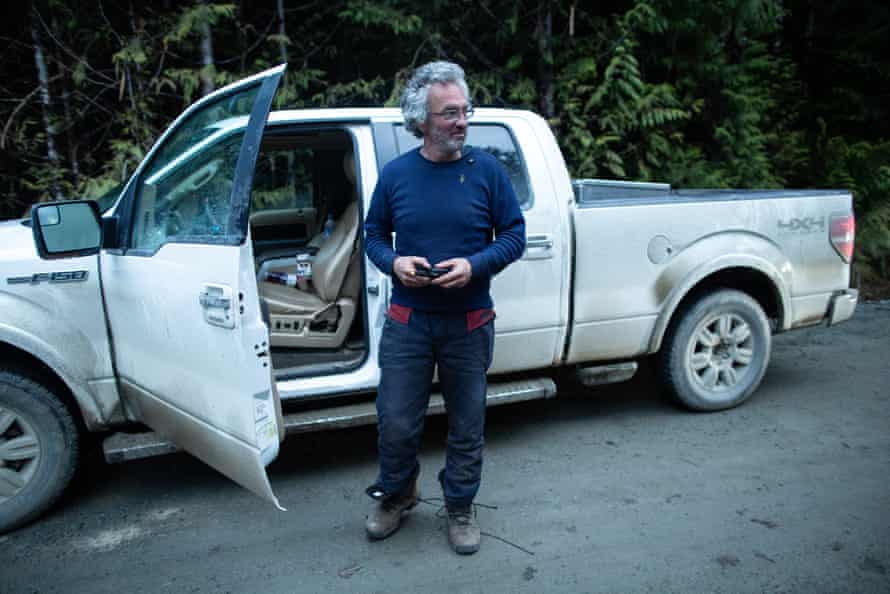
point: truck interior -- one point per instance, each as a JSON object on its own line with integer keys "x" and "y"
{"x": 304, "y": 224}
{"x": 305, "y": 214}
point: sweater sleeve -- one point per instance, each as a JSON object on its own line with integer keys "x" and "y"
{"x": 509, "y": 228}
{"x": 378, "y": 227}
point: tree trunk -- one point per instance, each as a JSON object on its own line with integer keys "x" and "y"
{"x": 282, "y": 45}
{"x": 572, "y": 20}
{"x": 282, "y": 52}
{"x": 543, "y": 35}
{"x": 241, "y": 18}
{"x": 207, "y": 61}
{"x": 43, "y": 82}
{"x": 68, "y": 127}
{"x": 72, "y": 144}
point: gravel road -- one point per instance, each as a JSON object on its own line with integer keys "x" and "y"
{"x": 609, "y": 490}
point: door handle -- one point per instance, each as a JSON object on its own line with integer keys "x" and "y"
{"x": 216, "y": 301}
{"x": 539, "y": 241}
{"x": 207, "y": 300}
{"x": 538, "y": 247}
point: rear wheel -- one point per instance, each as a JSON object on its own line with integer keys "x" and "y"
{"x": 716, "y": 351}
{"x": 39, "y": 446}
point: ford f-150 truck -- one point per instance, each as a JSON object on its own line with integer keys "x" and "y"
{"x": 229, "y": 276}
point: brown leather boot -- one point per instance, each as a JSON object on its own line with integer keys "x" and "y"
{"x": 463, "y": 530}
{"x": 386, "y": 517}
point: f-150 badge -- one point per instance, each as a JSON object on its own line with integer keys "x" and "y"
{"x": 66, "y": 276}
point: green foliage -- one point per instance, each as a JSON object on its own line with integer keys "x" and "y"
{"x": 192, "y": 18}
{"x": 728, "y": 93}
{"x": 381, "y": 14}
{"x": 182, "y": 80}
{"x": 618, "y": 124}
{"x": 864, "y": 168}
{"x": 358, "y": 92}
{"x": 295, "y": 87}
{"x": 132, "y": 53}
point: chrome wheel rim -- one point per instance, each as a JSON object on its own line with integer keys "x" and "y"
{"x": 19, "y": 453}
{"x": 720, "y": 353}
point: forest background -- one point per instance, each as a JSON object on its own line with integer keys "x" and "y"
{"x": 720, "y": 93}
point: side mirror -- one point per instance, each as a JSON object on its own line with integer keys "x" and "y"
{"x": 66, "y": 229}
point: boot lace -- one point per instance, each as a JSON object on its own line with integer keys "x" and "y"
{"x": 462, "y": 517}
{"x": 465, "y": 516}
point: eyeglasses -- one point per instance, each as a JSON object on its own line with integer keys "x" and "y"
{"x": 452, "y": 113}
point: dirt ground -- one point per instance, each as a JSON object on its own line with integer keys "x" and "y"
{"x": 610, "y": 490}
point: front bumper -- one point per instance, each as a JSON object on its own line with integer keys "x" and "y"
{"x": 842, "y": 305}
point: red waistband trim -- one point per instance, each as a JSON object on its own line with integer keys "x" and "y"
{"x": 399, "y": 313}
{"x": 475, "y": 319}
{"x": 478, "y": 318}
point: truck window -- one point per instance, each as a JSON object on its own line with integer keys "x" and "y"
{"x": 184, "y": 194}
{"x": 494, "y": 139}
{"x": 283, "y": 179}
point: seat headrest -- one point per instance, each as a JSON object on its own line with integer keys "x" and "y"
{"x": 349, "y": 166}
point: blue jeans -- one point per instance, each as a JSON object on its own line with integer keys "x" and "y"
{"x": 411, "y": 348}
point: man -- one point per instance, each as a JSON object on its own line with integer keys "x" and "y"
{"x": 454, "y": 213}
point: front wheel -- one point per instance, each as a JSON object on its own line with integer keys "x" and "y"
{"x": 716, "y": 352}
{"x": 39, "y": 444}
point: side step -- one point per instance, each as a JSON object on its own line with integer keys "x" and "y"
{"x": 598, "y": 375}
{"x": 121, "y": 447}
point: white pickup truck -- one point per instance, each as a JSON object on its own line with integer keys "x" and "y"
{"x": 159, "y": 313}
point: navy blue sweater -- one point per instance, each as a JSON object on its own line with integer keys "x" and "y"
{"x": 440, "y": 210}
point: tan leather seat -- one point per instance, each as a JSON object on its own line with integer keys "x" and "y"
{"x": 349, "y": 169}
{"x": 320, "y": 317}
{"x": 328, "y": 271}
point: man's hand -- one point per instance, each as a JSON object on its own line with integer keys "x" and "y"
{"x": 460, "y": 274}
{"x": 405, "y": 268}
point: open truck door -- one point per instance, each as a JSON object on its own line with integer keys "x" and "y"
{"x": 190, "y": 346}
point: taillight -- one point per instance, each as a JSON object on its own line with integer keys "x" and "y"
{"x": 843, "y": 232}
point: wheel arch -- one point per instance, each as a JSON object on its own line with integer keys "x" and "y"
{"x": 79, "y": 402}
{"x": 753, "y": 276}
{"x": 47, "y": 413}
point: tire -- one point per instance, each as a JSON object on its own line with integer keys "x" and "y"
{"x": 39, "y": 449}
{"x": 716, "y": 351}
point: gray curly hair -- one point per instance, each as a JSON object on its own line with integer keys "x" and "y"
{"x": 415, "y": 107}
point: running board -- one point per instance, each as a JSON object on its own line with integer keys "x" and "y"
{"x": 121, "y": 447}
{"x": 597, "y": 375}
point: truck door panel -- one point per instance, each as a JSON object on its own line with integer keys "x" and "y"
{"x": 190, "y": 347}
{"x": 529, "y": 294}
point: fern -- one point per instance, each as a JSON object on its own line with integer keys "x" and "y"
{"x": 381, "y": 14}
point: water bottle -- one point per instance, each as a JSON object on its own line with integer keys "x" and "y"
{"x": 328, "y": 226}
{"x": 282, "y": 278}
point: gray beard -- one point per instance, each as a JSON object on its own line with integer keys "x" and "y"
{"x": 446, "y": 144}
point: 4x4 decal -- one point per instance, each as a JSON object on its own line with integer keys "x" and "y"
{"x": 802, "y": 225}
{"x": 66, "y": 276}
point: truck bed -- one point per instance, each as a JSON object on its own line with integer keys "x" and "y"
{"x": 594, "y": 193}
{"x": 640, "y": 247}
